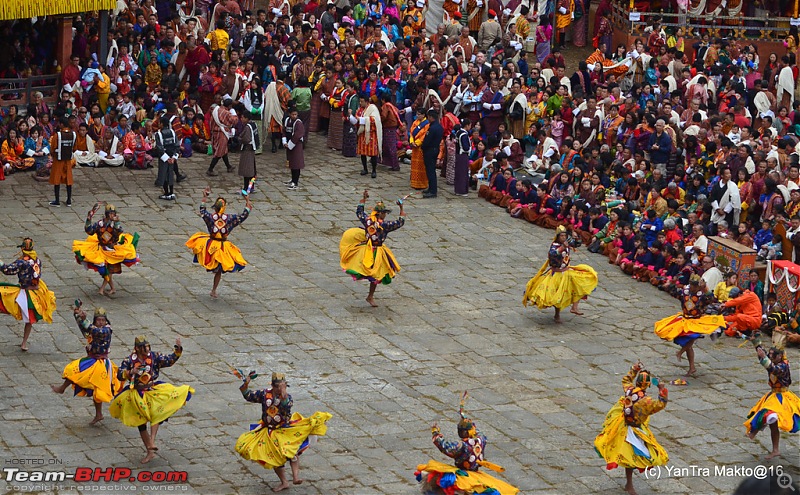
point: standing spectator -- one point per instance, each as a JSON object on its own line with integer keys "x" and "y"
{"x": 167, "y": 149}
{"x": 223, "y": 118}
{"x": 295, "y": 132}
{"x": 430, "y": 152}
{"x": 62, "y": 143}
{"x": 370, "y": 134}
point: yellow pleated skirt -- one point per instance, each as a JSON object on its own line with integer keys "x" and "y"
{"x": 560, "y": 289}
{"x": 362, "y": 261}
{"x": 273, "y": 448}
{"x": 784, "y": 403}
{"x": 467, "y": 481}
{"x": 215, "y": 255}
{"x": 95, "y": 257}
{"x": 152, "y": 406}
{"x": 95, "y": 378}
{"x": 613, "y": 446}
{"x": 28, "y": 305}
{"x": 674, "y": 326}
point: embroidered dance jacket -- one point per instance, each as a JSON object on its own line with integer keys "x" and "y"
{"x": 377, "y": 231}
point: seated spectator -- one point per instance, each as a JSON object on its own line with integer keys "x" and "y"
{"x": 723, "y": 289}
{"x": 747, "y": 315}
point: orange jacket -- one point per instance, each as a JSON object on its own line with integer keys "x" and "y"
{"x": 747, "y": 304}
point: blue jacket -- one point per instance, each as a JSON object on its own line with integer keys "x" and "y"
{"x": 650, "y": 234}
{"x": 661, "y": 155}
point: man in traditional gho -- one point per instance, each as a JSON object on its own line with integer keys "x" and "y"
{"x": 626, "y": 440}
{"x": 281, "y": 435}
{"x": 362, "y": 250}
{"x": 557, "y": 284}
{"x": 779, "y": 408}
{"x": 107, "y": 248}
{"x": 223, "y": 120}
{"x": 29, "y": 301}
{"x": 147, "y": 400}
{"x": 212, "y": 250}
{"x": 95, "y": 375}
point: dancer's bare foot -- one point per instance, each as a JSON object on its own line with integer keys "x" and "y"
{"x": 576, "y": 312}
{"x": 630, "y": 490}
{"x": 557, "y": 318}
{"x": 213, "y": 294}
{"x": 772, "y": 455}
{"x": 112, "y": 292}
{"x": 97, "y": 419}
{"x": 24, "y": 347}
{"x": 371, "y": 302}
{"x": 281, "y": 487}
{"x": 57, "y": 389}
{"x": 692, "y": 372}
{"x": 151, "y": 454}
{"x": 752, "y": 434}
{"x": 102, "y": 291}
{"x": 298, "y": 481}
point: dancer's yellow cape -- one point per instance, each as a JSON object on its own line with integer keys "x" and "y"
{"x": 559, "y": 289}
{"x": 361, "y": 260}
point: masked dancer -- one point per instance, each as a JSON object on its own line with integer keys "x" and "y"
{"x": 626, "y": 440}
{"x": 779, "y": 408}
{"x": 107, "y": 248}
{"x": 281, "y": 435}
{"x": 362, "y": 250}
{"x": 467, "y": 453}
{"x": 146, "y": 400}
{"x": 691, "y": 323}
{"x": 558, "y": 284}
{"x": 95, "y": 375}
{"x": 213, "y": 250}
{"x": 29, "y": 301}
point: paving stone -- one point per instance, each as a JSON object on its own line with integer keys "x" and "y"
{"x": 451, "y": 320}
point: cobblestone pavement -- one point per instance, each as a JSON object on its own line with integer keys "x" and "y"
{"x": 452, "y": 320}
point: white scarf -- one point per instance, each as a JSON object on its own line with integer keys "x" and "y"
{"x": 786, "y": 84}
{"x": 731, "y": 196}
{"x": 272, "y": 105}
{"x": 372, "y": 111}
{"x": 215, "y": 116}
{"x": 763, "y": 104}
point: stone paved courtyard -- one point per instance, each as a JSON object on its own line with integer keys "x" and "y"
{"x": 452, "y": 320}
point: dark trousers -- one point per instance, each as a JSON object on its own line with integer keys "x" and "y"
{"x": 430, "y": 171}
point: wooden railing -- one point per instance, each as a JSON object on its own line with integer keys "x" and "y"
{"x": 20, "y": 91}
{"x": 768, "y": 28}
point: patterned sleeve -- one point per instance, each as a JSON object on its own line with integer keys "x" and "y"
{"x": 627, "y": 380}
{"x": 649, "y": 405}
{"x": 124, "y": 367}
{"x": 554, "y": 255}
{"x": 89, "y": 227}
{"x": 450, "y": 449}
{"x": 394, "y": 224}
{"x": 167, "y": 360}
{"x": 254, "y": 396}
{"x": 13, "y": 268}
{"x": 235, "y": 220}
{"x": 206, "y": 216}
{"x": 360, "y": 214}
{"x": 84, "y": 325}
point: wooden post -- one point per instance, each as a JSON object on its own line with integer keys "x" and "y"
{"x": 103, "y": 55}
{"x": 64, "y": 41}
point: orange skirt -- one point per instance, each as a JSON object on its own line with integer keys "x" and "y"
{"x": 365, "y": 148}
{"x": 419, "y": 179}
